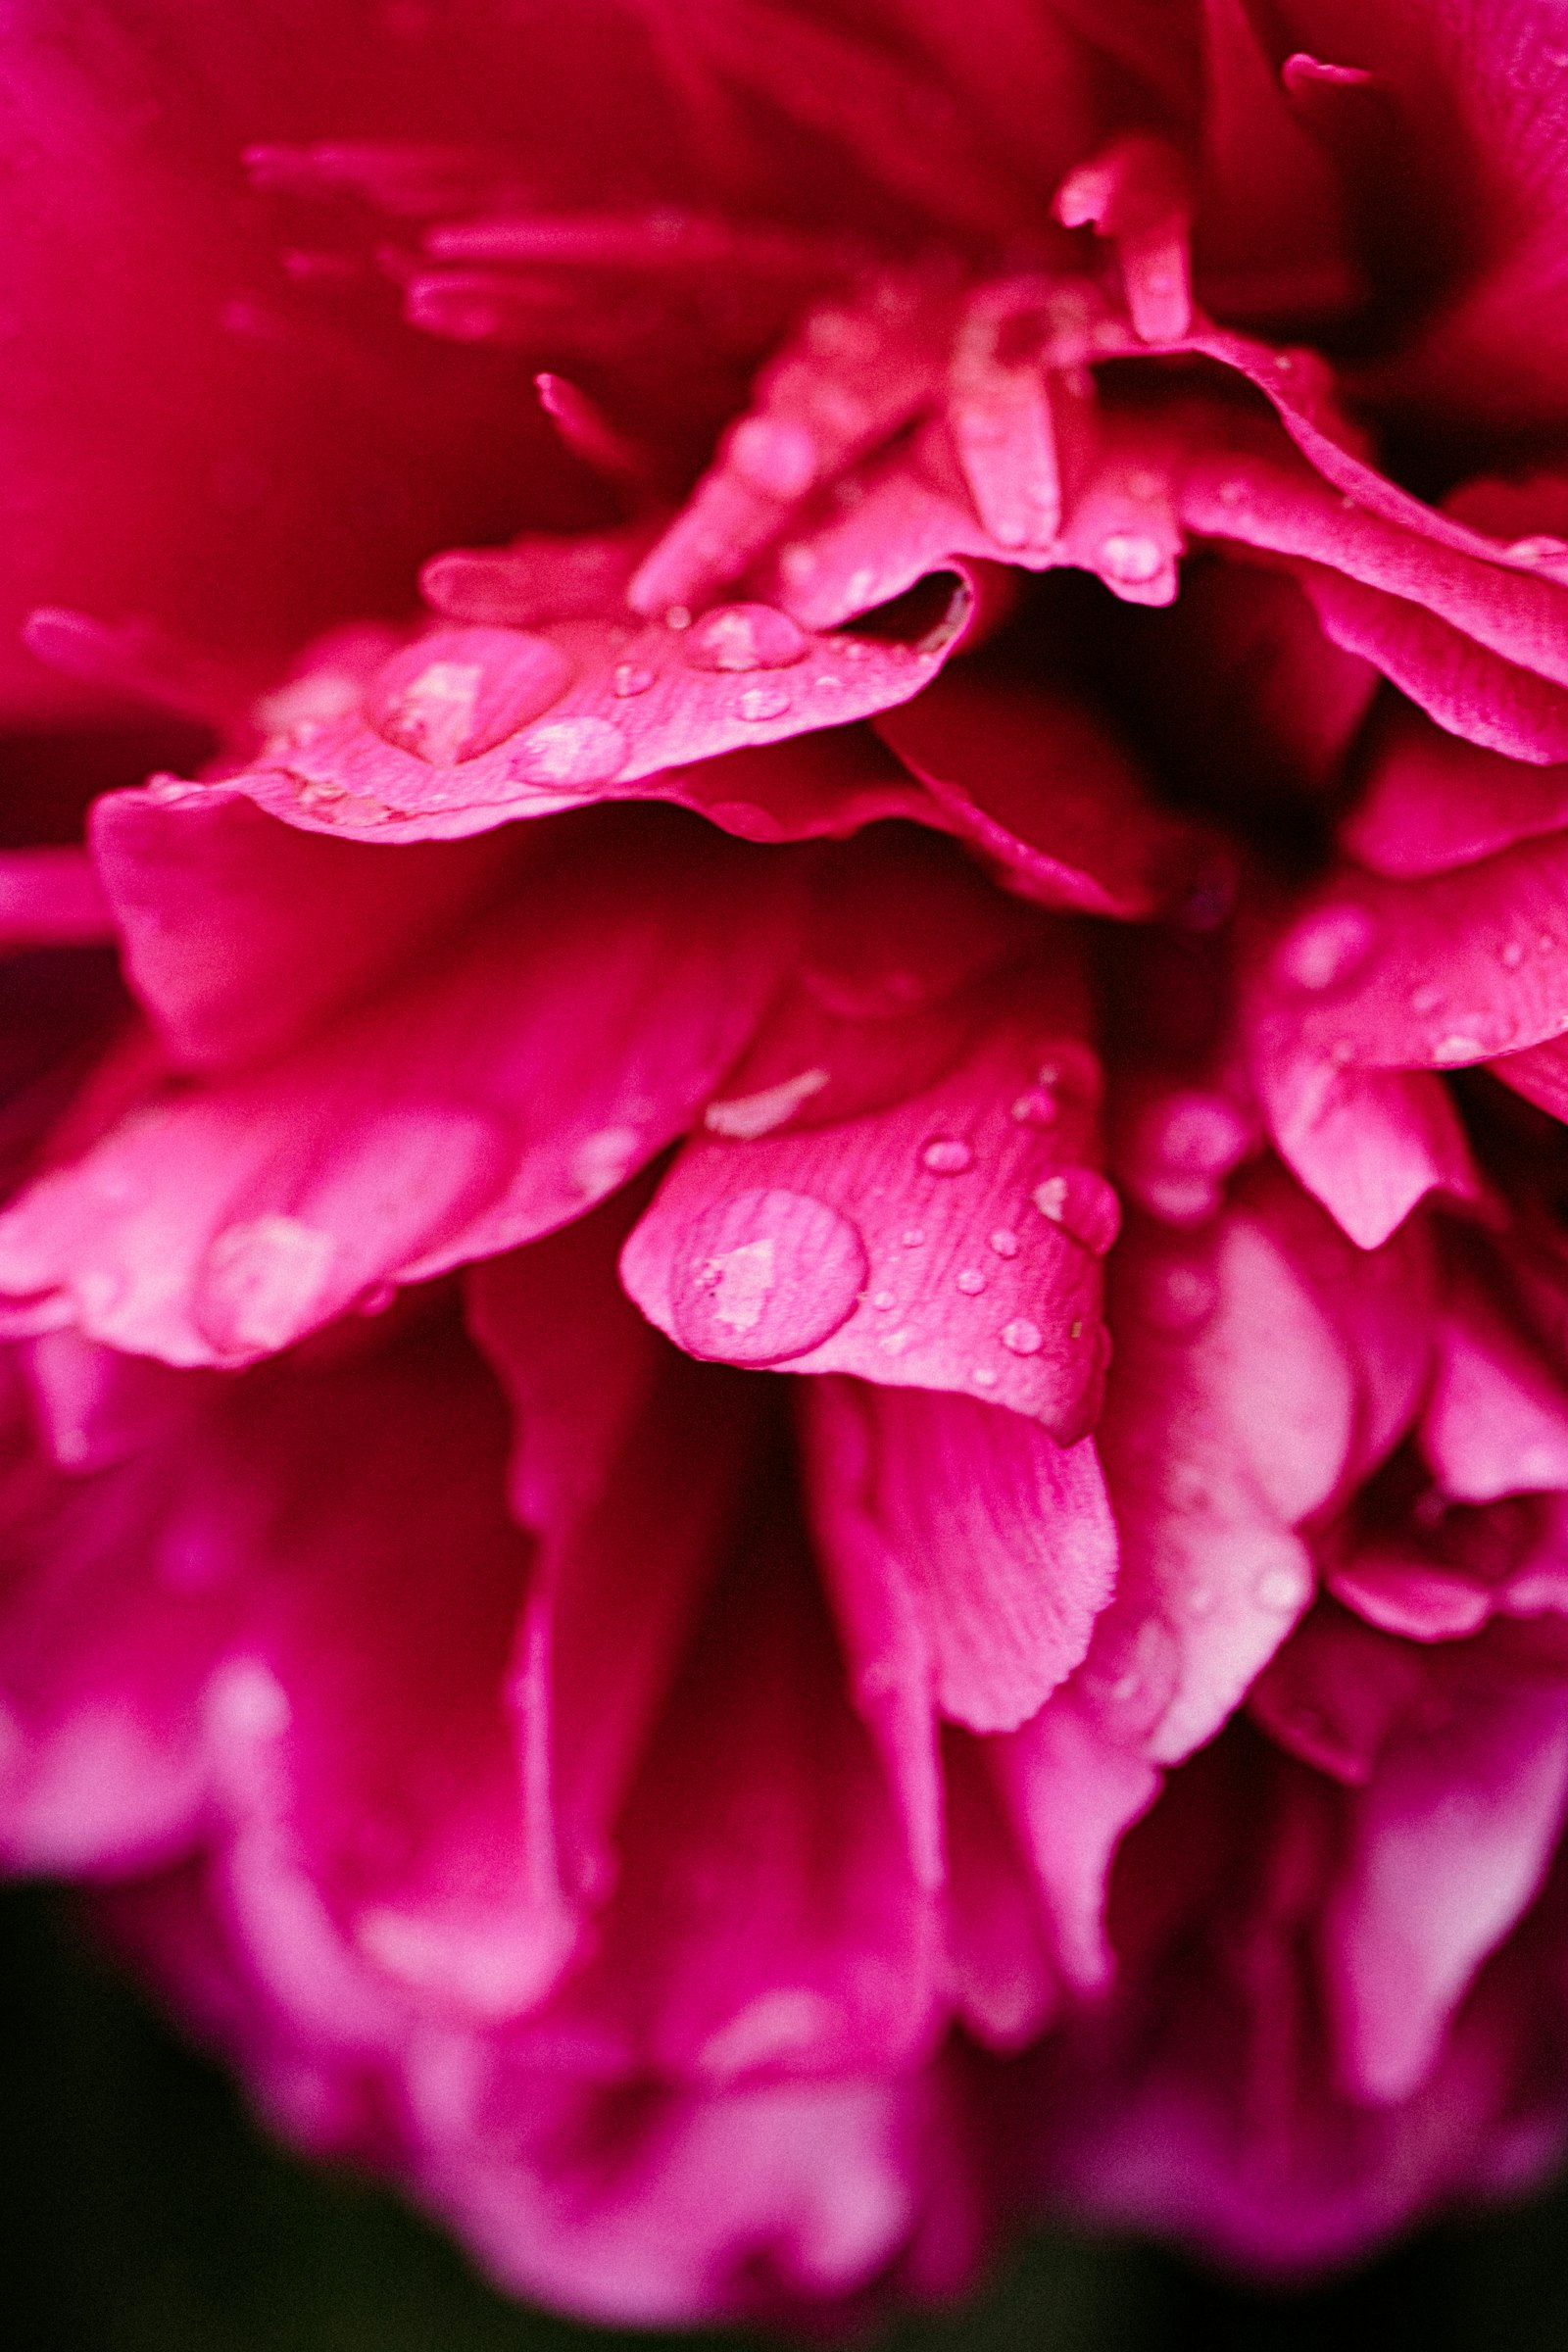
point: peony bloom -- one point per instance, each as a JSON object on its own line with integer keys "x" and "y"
{"x": 784, "y": 1274}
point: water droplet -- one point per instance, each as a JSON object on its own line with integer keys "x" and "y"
{"x": 884, "y": 1301}
{"x": 629, "y": 679}
{"x": 678, "y": 617}
{"x": 984, "y": 1376}
{"x": 911, "y": 1237}
{"x": 798, "y": 563}
{"x": 1005, "y": 1242}
{"x": 765, "y": 1276}
{"x": 971, "y": 1281}
{"x": 259, "y": 1284}
{"x": 1021, "y": 1337}
{"x": 947, "y": 1155}
{"x": 1036, "y": 1108}
{"x": 604, "y": 1160}
{"x": 893, "y": 1343}
{"x": 1084, "y": 1206}
{"x": 747, "y": 1117}
{"x": 1283, "y": 1588}
{"x": 1512, "y": 954}
{"x": 1458, "y": 1048}
{"x": 761, "y": 703}
{"x": 775, "y": 456}
{"x": 1198, "y": 1133}
{"x": 1232, "y": 493}
{"x": 745, "y": 637}
{"x": 456, "y": 693}
{"x": 1326, "y": 947}
{"x": 571, "y": 752}
{"x": 1179, "y": 1299}
{"x": 1131, "y": 557}
{"x": 1426, "y": 999}
{"x": 1201, "y": 1599}
{"x": 1539, "y": 548}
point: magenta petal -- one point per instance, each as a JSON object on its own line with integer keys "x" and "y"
{"x": 1431, "y": 802}
{"x": 1496, "y": 1421}
{"x": 1450, "y": 1842}
{"x": 219, "y": 1223}
{"x": 1368, "y": 1144}
{"x": 1002, "y": 1540}
{"x": 950, "y": 1240}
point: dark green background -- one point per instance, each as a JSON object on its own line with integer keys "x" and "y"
{"x": 140, "y": 2212}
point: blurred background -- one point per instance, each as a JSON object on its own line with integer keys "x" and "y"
{"x": 140, "y": 2211}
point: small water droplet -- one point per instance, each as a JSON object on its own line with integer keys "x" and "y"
{"x": 678, "y": 617}
{"x": 603, "y": 1160}
{"x": 761, "y": 703}
{"x": 1179, "y": 1299}
{"x": 1232, "y": 493}
{"x": 1200, "y": 1601}
{"x": 893, "y": 1343}
{"x": 1198, "y": 1133}
{"x": 798, "y": 563}
{"x": 1426, "y": 999}
{"x": 1458, "y": 1048}
{"x": 1036, "y": 1108}
{"x": 1084, "y": 1206}
{"x": 1512, "y": 954}
{"x": 571, "y": 752}
{"x": 1021, "y": 1337}
{"x": 1005, "y": 1242}
{"x": 765, "y": 1276}
{"x": 947, "y": 1155}
{"x": 884, "y": 1301}
{"x": 984, "y": 1376}
{"x": 630, "y": 678}
{"x": 1539, "y": 548}
{"x": 971, "y": 1281}
{"x": 1326, "y": 947}
{"x": 1283, "y": 1588}
{"x": 1131, "y": 557}
{"x": 911, "y": 1237}
{"x": 745, "y": 637}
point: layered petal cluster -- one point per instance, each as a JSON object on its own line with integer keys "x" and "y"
{"x": 783, "y": 1283}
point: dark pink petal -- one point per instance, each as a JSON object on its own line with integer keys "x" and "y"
{"x": 1431, "y": 802}
{"x": 241, "y": 935}
{"x": 1450, "y": 1838}
{"x": 1337, "y": 1693}
{"x": 949, "y": 1241}
{"x": 1041, "y": 790}
{"x": 1001, "y": 1540}
{"x": 628, "y": 1520}
{"x": 449, "y": 1117}
{"x": 1003, "y": 1983}
{"x": 617, "y": 704}
{"x": 1369, "y": 1143}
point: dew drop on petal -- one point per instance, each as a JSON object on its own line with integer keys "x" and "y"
{"x": 259, "y": 1283}
{"x": 765, "y": 1276}
{"x": 971, "y": 1281}
{"x": 884, "y": 1301}
{"x": 630, "y": 678}
{"x": 775, "y": 456}
{"x": 456, "y": 693}
{"x": 1426, "y": 999}
{"x": 1512, "y": 954}
{"x": 1084, "y": 1206}
{"x": 947, "y": 1155}
{"x": 1005, "y": 1242}
{"x": 571, "y": 752}
{"x": 760, "y": 703}
{"x": 984, "y": 1376}
{"x": 745, "y": 637}
{"x": 911, "y": 1237}
{"x": 604, "y": 1159}
{"x": 1179, "y": 1299}
{"x": 1132, "y": 555}
{"x": 1326, "y": 947}
{"x": 1036, "y": 1108}
{"x": 1021, "y": 1337}
{"x": 1282, "y": 1588}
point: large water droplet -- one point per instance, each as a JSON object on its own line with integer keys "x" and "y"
{"x": 971, "y": 1281}
{"x": 1084, "y": 1206}
{"x": 947, "y": 1155}
{"x": 458, "y": 692}
{"x": 743, "y": 637}
{"x": 765, "y": 1276}
{"x": 1326, "y": 947}
{"x": 1021, "y": 1337}
{"x": 571, "y": 752}
{"x": 259, "y": 1283}
{"x": 1132, "y": 556}
{"x": 1005, "y": 1242}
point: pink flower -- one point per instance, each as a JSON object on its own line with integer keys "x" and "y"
{"x": 994, "y": 654}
